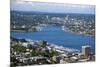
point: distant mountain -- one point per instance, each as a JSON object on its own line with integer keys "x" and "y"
{"x": 47, "y": 13}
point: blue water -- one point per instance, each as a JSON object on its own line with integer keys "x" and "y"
{"x": 54, "y": 34}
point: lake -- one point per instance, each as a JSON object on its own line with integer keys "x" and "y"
{"x": 55, "y": 35}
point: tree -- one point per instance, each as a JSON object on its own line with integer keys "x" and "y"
{"x": 19, "y": 48}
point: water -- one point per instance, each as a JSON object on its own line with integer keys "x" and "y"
{"x": 54, "y": 34}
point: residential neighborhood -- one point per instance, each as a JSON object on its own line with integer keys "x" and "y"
{"x": 28, "y": 52}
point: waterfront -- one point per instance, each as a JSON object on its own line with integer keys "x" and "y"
{"x": 61, "y": 35}
{"x": 55, "y": 35}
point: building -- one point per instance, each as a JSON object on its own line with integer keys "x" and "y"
{"x": 86, "y": 50}
{"x": 74, "y": 59}
{"x": 39, "y": 60}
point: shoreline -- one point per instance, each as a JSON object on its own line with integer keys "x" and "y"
{"x": 79, "y": 33}
{"x": 58, "y": 47}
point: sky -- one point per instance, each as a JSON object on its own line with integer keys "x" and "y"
{"x": 22, "y": 5}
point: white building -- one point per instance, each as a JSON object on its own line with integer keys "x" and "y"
{"x": 86, "y": 51}
{"x": 25, "y": 44}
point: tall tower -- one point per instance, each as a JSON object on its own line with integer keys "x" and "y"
{"x": 86, "y": 50}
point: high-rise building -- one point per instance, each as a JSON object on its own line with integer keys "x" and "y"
{"x": 86, "y": 50}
